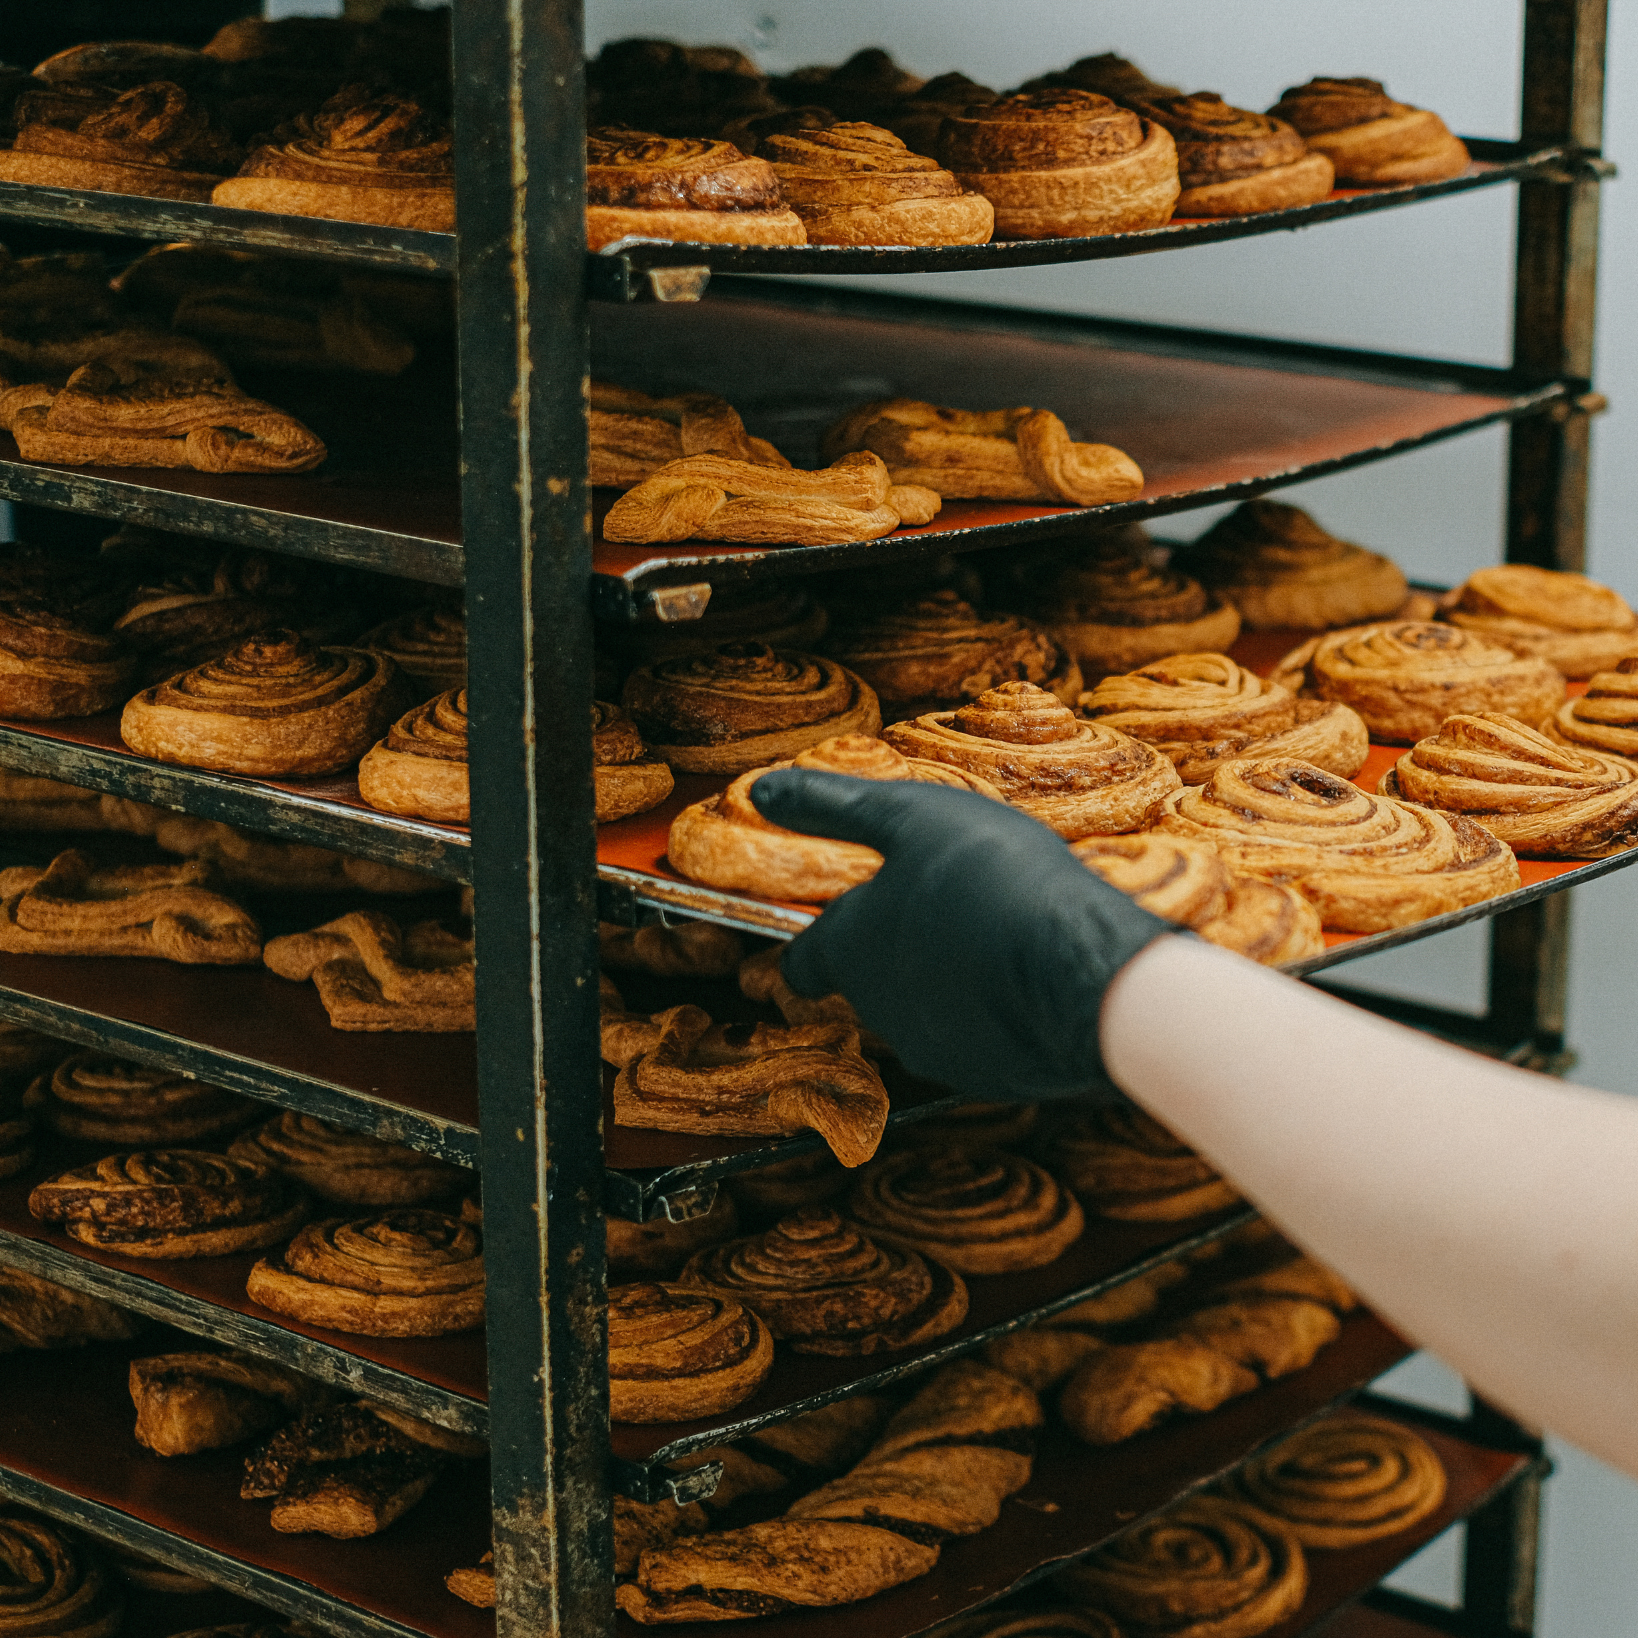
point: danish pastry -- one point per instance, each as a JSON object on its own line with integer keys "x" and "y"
{"x": 1110, "y": 75}
{"x": 348, "y": 1168}
{"x": 428, "y": 645}
{"x": 37, "y": 1314}
{"x": 916, "y": 119}
{"x": 1605, "y": 718}
{"x": 1373, "y": 141}
{"x": 677, "y": 1354}
{"x": 677, "y": 90}
{"x": 628, "y": 777}
{"x": 633, "y": 435}
{"x": 56, "y": 661}
{"x": 93, "y": 1098}
{"x": 420, "y": 768}
{"x": 56, "y": 1582}
{"x": 1576, "y": 625}
{"x": 1122, "y": 1163}
{"x": 189, "y": 1402}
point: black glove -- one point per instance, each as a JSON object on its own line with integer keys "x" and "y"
{"x": 982, "y": 948}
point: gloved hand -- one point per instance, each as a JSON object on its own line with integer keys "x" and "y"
{"x": 982, "y": 948}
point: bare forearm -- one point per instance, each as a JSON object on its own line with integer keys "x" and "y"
{"x": 1490, "y": 1213}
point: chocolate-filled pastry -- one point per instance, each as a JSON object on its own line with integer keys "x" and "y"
{"x": 1272, "y": 1335}
{"x": 1048, "y": 1623}
{"x": 1205, "y": 1567}
{"x": 633, "y": 435}
{"x": 1040, "y": 1357}
{"x": 58, "y": 659}
{"x": 363, "y": 157}
{"x": 262, "y": 865}
{"x": 690, "y": 188}
{"x": 1122, "y": 1163}
{"x": 76, "y": 907}
{"x": 37, "y": 1314}
{"x": 977, "y": 1212}
{"x": 826, "y": 1288}
{"x": 1545, "y": 800}
{"x": 1128, "y": 1388}
{"x": 656, "y": 1250}
{"x": 1576, "y": 625}
{"x": 427, "y": 644}
{"x": 1278, "y": 567}
{"x": 57, "y": 1584}
{"x": 190, "y": 1402}
{"x": 677, "y": 1354}
{"x": 1373, "y": 141}
{"x": 693, "y": 949}
{"x": 1345, "y": 1480}
{"x": 420, "y": 769}
{"x": 349, "y": 1168}
{"x": 788, "y": 1185}
{"x": 1080, "y": 778}
{"x": 858, "y": 184}
{"x": 627, "y": 777}
{"x": 171, "y": 1203}
{"x": 1365, "y": 862}
{"x": 1605, "y": 718}
{"x": 1062, "y": 164}
{"x": 94, "y": 1098}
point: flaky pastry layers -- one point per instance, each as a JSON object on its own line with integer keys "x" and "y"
{"x": 188, "y": 1402}
{"x": 260, "y": 864}
{"x": 428, "y": 645}
{"x": 1605, "y": 718}
{"x": 420, "y": 768}
{"x": 57, "y": 1585}
{"x": 677, "y": 1353}
{"x": 1576, "y": 625}
{"x": 349, "y": 1168}
{"x": 1123, "y": 1164}
{"x": 1123, "y": 1390}
{"x": 632, "y": 435}
{"x": 628, "y": 778}
{"x": 37, "y": 1314}
{"x": 1372, "y": 140}
{"x": 93, "y": 1098}
{"x": 58, "y": 661}
{"x": 656, "y": 1250}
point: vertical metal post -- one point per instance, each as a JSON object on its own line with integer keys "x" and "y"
{"x": 1503, "y": 1539}
{"x": 520, "y": 179}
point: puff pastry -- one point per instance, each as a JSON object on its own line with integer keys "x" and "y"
{"x": 693, "y": 949}
{"x": 1273, "y": 1335}
{"x": 627, "y": 776}
{"x": 428, "y": 645}
{"x": 38, "y": 1314}
{"x": 93, "y": 1098}
{"x": 57, "y": 660}
{"x": 56, "y": 1583}
{"x": 1110, "y": 75}
{"x": 633, "y": 435}
{"x": 420, "y": 769}
{"x": 188, "y": 1402}
{"x": 1128, "y": 1388}
{"x": 677, "y": 1353}
{"x": 656, "y": 1250}
{"x": 262, "y": 865}
{"x": 1605, "y": 718}
{"x": 348, "y": 1168}
{"x": 1122, "y": 1163}
{"x": 1576, "y": 625}
{"x": 1373, "y": 141}
{"x": 917, "y": 118}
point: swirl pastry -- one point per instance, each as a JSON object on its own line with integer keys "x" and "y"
{"x": 689, "y": 188}
{"x": 1605, "y": 718}
{"x": 970, "y": 1126}
{"x": 420, "y": 768}
{"x": 917, "y": 119}
{"x": 628, "y": 778}
{"x": 363, "y": 157}
{"x": 633, "y": 435}
{"x": 190, "y": 1402}
{"x": 677, "y": 90}
{"x": 405, "y": 1273}
{"x": 1122, "y": 1163}
{"x": 1012, "y": 454}
{"x": 36, "y": 1314}
{"x": 1344, "y": 1481}
{"x": 1062, "y": 164}
{"x": 56, "y": 1584}
{"x": 1544, "y": 800}
{"x": 1110, "y": 75}
{"x": 1205, "y": 1567}
{"x": 677, "y": 1354}
{"x": 1576, "y": 625}
{"x": 275, "y": 707}
{"x": 1404, "y": 678}
{"x": 170, "y": 1203}
{"x": 974, "y": 1211}
{"x": 1081, "y": 778}
{"x": 725, "y": 842}
{"x": 656, "y": 1250}
{"x": 693, "y": 949}
{"x": 77, "y": 907}
{"x": 57, "y": 660}
{"x": 826, "y": 1288}
{"x": 1373, "y": 141}
{"x": 428, "y": 645}
{"x": 869, "y": 83}
{"x": 93, "y": 1098}
{"x": 349, "y": 1168}
{"x": 1278, "y": 567}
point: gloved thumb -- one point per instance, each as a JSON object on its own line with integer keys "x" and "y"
{"x": 828, "y": 804}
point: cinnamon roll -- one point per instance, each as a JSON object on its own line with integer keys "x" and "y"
{"x": 349, "y": 1168}
{"x": 1110, "y": 75}
{"x": 1122, "y": 1163}
{"x": 629, "y": 778}
{"x": 56, "y": 1583}
{"x": 677, "y": 1354}
{"x": 1373, "y": 141}
{"x": 677, "y": 90}
{"x": 633, "y": 435}
{"x": 656, "y": 1250}
{"x": 57, "y": 660}
{"x": 405, "y": 1273}
{"x": 420, "y": 768}
{"x": 869, "y": 83}
{"x": 188, "y": 1402}
{"x": 37, "y": 1314}
{"x": 976, "y": 1212}
{"x": 917, "y": 119}
{"x": 1081, "y": 778}
{"x": 428, "y": 645}
{"x": 1605, "y": 718}
{"x": 826, "y": 1288}
{"x": 1063, "y": 163}
{"x": 693, "y": 949}
{"x": 1404, "y": 678}
{"x": 93, "y": 1098}
{"x": 1202, "y": 710}
{"x": 1576, "y": 625}
{"x": 171, "y": 1203}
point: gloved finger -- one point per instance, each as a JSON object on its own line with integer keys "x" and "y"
{"x": 811, "y": 963}
{"x": 866, "y": 811}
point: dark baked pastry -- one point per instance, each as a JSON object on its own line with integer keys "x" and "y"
{"x": 1273, "y": 1335}
{"x": 917, "y": 119}
{"x": 57, "y": 656}
{"x": 1605, "y": 718}
{"x": 677, "y": 1353}
{"x": 349, "y": 1168}
{"x": 633, "y": 435}
{"x": 94, "y": 1098}
{"x": 627, "y": 777}
{"x": 420, "y": 769}
{"x": 56, "y": 1583}
{"x": 427, "y": 644}
{"x": 789, "y": 1185}
{"x": 692, "y": 949}
{"x": 657, "y": 1249}
{"x": 1127, "y": 1388}
{"x": 1122, "y": 1163}
{"x": 202, "y": 1401}
{"x": 38, "y": 1314}
{"x": 21, "y": 1052}
{"x": 868, "y": 84}
{"x": 1576, "y": 625}
{"x": 1373, "y": 141}
{"x": 677, "y": 90}
{"x": 781, "y": 614}
{"x": 1110, "y": 75}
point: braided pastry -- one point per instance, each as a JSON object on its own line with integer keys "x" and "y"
{"x": 976, "y": 1212}
{"x": 1605, "y": 718}
{"x": 628, "y": 777}
{"x": 1063, "y": 163}
{"x": 677, "y": 1354}
{"x": 1123, "y": 1164}
{"x": 93, "y": 1098}
{"x": 1576, "y": 625}
{"x": 826, "y": 1288}
{"x": 1373, "y": 141}
{"x": 170, "y": 1203}
{"x": 57, "y": 1585}
{"x": 428, "y": 645}
{"x": 349, "y": 1168}
{"x": 420, "y": 768}
{"x": 1080, "y": 778}
{"x": 188, "y": 1402}
{"x": 634, "y": 435}
{"x": 36, "y": 1314}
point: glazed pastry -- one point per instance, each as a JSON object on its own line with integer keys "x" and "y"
{"x": 428, "y": 645}
{"x": 263, "y": 865}
{"x": 825, "y": 1288}
{"x": 1080, "y": 778}
{"x": 56, "y": 1583}
{"x": 788, "y": 1185}
{"x": 348, "y": 1168}
{"x": 857, "y": 184}
{"x": 975, "y": 1212}
{"x": 363, "y": 157}
{"x": 1205, "y": 1567}
{"x": 1344, "y": 1481}
{"x": 1040, "y": 1357}
{"x": 55, "y": 661}
{"x": 190, "y": 1402}
{"x": 1373, "y": 141}
{"x": 633, "y": 435}
{"x": 77, "y": 907}
{"x": 274, "y": 708}
{"x": 694, "y": 949}
{"x": 1576, "y": 625}
{"x": 1063, "y": 163}
{"x": 1202, "y": 710}
{"x": 93, "y": 1098}
{"x": 710, "y": 497}
{"x": 1128, "y": 1388}
{"x": 171, "y": 1203}
{"x": 689, "y": 188}
{"x": 677, "y": 1354}
{"x": 1271, "y": 1335}
{"x": 420, "y": 768}
{"x": 628, "y": 777}
{"x": 1278, "y": 567}
{"x": 725, "y": 842}
{"x": 1545, "y": 800}
{"x": 1605, "y": 718}
{"x": 37, "y": 1314}
{"x": 1365, "y": 862}
{"x": 1122, "y": 1163}
{"x": 373, "y": 975}
{"x": 656, "y": 1250}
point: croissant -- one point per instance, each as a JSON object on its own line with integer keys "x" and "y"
{"x": 57, "y": 660}
{"x": 1576, "y": 625}
{"x": 677, "y": 1354}
{"x": 56, "y": 1583}
{"x": 1122, "y": 1163}
{"x": 693, "y": 949}
{"x": 1372, "y": 140}
{"x": 420, "y": 768}
{"x": 36, "y": 1314}
{"x": 656, "y": 1250}
{"x": 188, "y": 1402}
{"x": 1605, "y": 718}
{"x": 349, "y": 1168}
{"x": 1078, "y": 777}
{"x": 633, "y": 435}
{"x": 428, "y": 645}
{"x": 93, "y": 1098}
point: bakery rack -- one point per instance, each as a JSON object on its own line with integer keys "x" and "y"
{"x": 501, "y": 507}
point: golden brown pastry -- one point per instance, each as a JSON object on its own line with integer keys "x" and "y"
{"x": 1605, "y": 717}
{"x": 171, "y": 1203}
{"x": 420, "y": 768}
{"x": 627, "y": 776}
{"x": 1041, "y": 1357}
{"x": 633, "y": 435}
{"x": 427, "y": 644}
{"x": 677, "y": 1354}
{"x": 94, "y": 1098}
{"x": 788, "y": 1185}
{"x": 349, "y": 1168}
{"x": 1128, "y": 1388}
{"x": 475, "y": 1584}
{"x": 917, "y": 118}
{"x": 38, "y": 1314}
{"x": 1373, "y": 141}
{"x": 824, "y": 1287}
{"x": 1576, "y": 625}
{"x": 1278, "y": 567}
{"x": 190, "y": 1402}
{"x": 57, "y": 660}
{"x": 1080, "y": 778}
{"x": 1272, "y": 1335}
{"x": 56, "y": 1583}
{"x": 692, "y": 949}
{"x": 760, "y": 979}
{"x": 1344, "y": 1481}
{"x": 1297, "y": 1277}
{"x": 1063, "y": 163}
{"x": 657, "y": 1249}
{"x": 1365, "y": 862}
{"x": 1122, "y": 1163}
